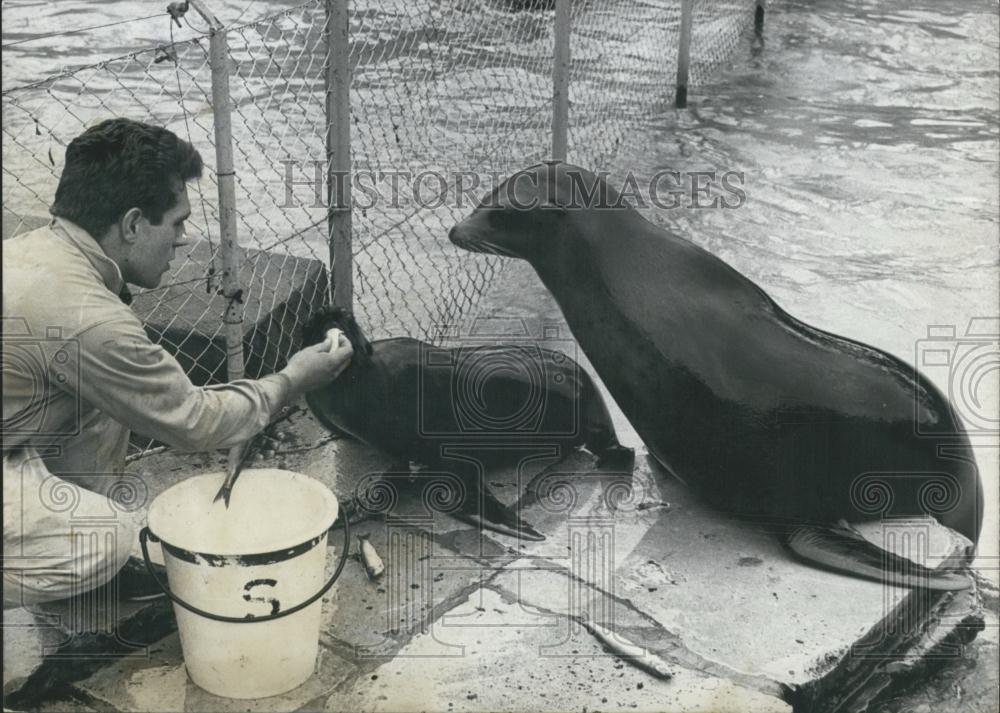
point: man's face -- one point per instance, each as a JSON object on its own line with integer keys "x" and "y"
{"x": 151, "y": 254}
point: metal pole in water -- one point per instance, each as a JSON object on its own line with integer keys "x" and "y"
{"x": 338, "y": 151}
{"x": 684, "y": 54}
{"x": 560, "y": 81}
{"x": 230, "y": 251}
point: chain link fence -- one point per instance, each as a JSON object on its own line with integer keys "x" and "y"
{"x": 277, "y": 95}
{"x": 41, "y": 118}
{"x": 463, "y": 90}
{"x": 447, "y": 98}
{"x": 718, "y": 29}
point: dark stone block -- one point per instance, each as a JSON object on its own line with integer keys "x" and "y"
{"x": 280, "y": 292}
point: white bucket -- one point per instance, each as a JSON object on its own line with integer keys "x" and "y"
{"x": 249, "y": 564}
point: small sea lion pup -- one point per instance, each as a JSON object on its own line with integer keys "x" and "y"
{"x": 762, "y": 415}
{"x": 418, "y": 402}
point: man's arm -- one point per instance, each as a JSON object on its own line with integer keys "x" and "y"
{"x": 138, "y": 383}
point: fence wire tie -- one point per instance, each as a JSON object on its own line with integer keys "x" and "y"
{"x": 176, "y": 10}
{"x": 236, "y": 296}
{"x": 164, "y": 55}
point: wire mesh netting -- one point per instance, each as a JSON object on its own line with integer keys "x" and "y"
{"x": 40, "y": 119}
{"x": 276, "y": 91}
{"x": 624, "y": 66}
{"x": 717, "y": 29}
{"x": 622, "y": 72}
{"x": 461, "y": 93}
{"x": 448, "y": 97}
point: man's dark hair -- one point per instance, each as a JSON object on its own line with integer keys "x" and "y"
{"x": 121, "y": 164}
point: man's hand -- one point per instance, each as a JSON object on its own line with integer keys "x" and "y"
{"x": 318, "y": 365}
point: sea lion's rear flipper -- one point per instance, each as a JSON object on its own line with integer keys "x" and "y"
{"x": 497, "y": 517}
{"x": 843, "y": 549}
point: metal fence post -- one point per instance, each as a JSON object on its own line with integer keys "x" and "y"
{"x": 560, "y": 81}
{"x": 684, "y": 54}
{"x": 225, "y": 174}
{"x": 338, "y": 151}
{"x": 230, "y": 251}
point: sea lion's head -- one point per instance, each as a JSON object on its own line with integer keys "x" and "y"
{"x": 537, "y": 212}
{"x": 316, "y": 328}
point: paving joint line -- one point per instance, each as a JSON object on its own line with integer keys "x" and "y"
{"x": 678, "y": 653}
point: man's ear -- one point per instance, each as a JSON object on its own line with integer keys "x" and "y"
{"x": 130, "y": 225}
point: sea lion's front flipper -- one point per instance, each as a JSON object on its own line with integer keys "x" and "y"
{"x": 616, "y": 457}
{"x": 840, "y": 548}
{"x": 601, "y": 438}
{"x": 497, "y": 517}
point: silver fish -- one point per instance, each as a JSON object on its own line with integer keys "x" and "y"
{"x": 374, "y": 567}
{"x": 238, "y": 455}
{"x": 629, "y": 652}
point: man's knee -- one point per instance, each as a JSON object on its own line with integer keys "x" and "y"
{"x": 99, "y": 554}
{"x": 96, "y": 554}
{"x": 60, "y": 539}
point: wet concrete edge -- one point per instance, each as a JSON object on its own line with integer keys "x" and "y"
{"x": 924, "y": 632}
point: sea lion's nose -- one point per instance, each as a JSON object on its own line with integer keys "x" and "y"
{"x": 453, "y": 233}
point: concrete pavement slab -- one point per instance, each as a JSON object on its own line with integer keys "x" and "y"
{"x": 364, "y": 618}
{"x": 505, "y": 661}
{"x": 27, "y": 638}
{"x": 570, "y": 600}
{"x": 160, "y": 683}
{"x": 75, "y": 639}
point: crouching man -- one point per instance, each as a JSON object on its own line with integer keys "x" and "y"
{"x": 79, "y": 372}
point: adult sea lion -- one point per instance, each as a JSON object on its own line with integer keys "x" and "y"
{"x": 763, "y": 415}
{"x": 422, "y": 403}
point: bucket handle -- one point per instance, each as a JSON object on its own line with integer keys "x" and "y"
{"x": 146, "y": 534}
